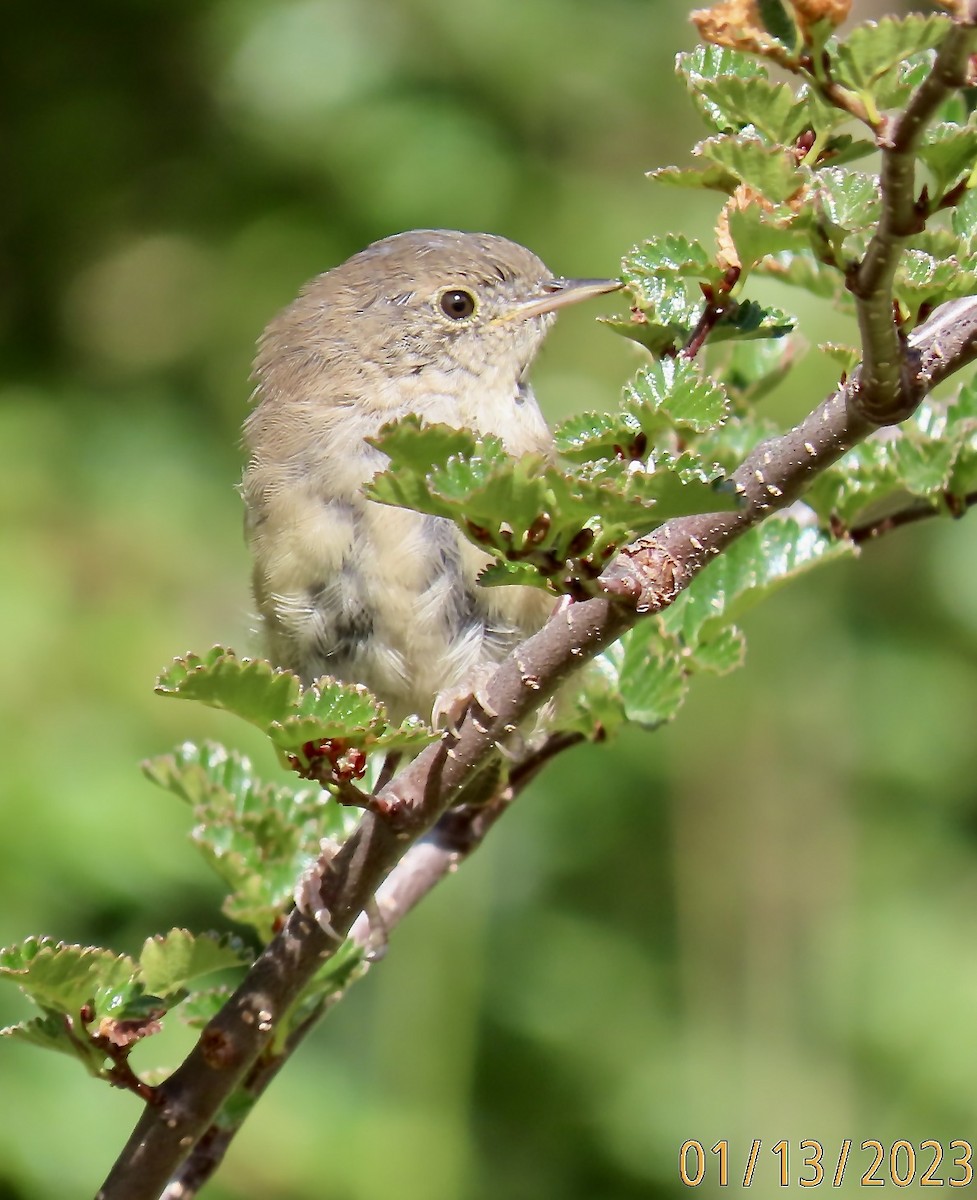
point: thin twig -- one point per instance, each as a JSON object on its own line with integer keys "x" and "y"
{"x": 922, "y": 510}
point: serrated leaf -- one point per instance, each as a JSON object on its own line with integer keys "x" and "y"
{"x": 711, "y": 177}
{"x": 865, "y": 475}
{"x": 871, "y": 50}
{"x": 290, "y": 715}
{"x": 400, "y": 441}
{"x": 769, "y": 170}
{"x": 640, "y": 678}
{"x": 170, "y": 962}
{"x": 847, "y": 357}
{"x": 731, "y": 443}
{"x": 256, "y": 836}
{"x": 657, "y": 339}
{"x": 735, "y": 104}
{"x": 949, "y": 151}
{"x": 54, "y": 1032}
{"x": 665, "y": 299}
{"x": 895, "y": 87}
{"x": 936, "y": 241}
{"x": 653, "y": 683}
{"x": 708, "y": 62}
{"x": 565, "y": 523}
{"x": 757, "y": 233}
{"x": 250, "y": 688}
{"x": 850, "y": 200}
{"x": 723, "y": 652}
{"x": 924, "y": 281}
{"x": 749, "y": 321}
{"x": 63, "y": 977}
{"x": 931, "y": 456}
{"x": 765, "y": 558}
{"x": 677, "y": 389}
{"x": 673, "y": 255}
{"x": 592, "y": 435}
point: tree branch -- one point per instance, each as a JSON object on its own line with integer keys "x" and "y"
{"x": 456, "y": 836}
{"x": 884, "y": 388}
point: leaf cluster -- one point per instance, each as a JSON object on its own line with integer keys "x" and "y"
{"x": 556, "y": 527}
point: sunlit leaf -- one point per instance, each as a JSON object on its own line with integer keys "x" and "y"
{"x": 769, "y": 170}
{"x": 257, "y": 837}
{"x": 872, "y": 49}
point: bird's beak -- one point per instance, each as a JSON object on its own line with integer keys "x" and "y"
{"x": 557, "y": 293}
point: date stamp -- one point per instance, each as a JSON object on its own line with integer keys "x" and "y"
{"x": 901, "y": 1163}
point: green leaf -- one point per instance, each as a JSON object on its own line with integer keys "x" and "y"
{"x": 769, "y": 170}
{"x": 931, "y": 455}
{"x": 671, "y": 255}
{"x": 801, "y": 269}
{"x": 274, "y": 700}
{"x": 749, "y": 321}
{"x": 348, "y": 964}
{"x": 640, "y": 678}
{"x": 250, "y": 688}
{"x": 844, "y": 149}
{"x": 666, "y": 303}
{"x": 592, "y": 435}
{"x": 754, "y": 368}
{"x": 65, "y": 978}
{"x": 895, "y": 87}
{"x": 949, "y": 151}
{"x": 877, "y": 47}
{"x": 566, "y": 524}
{"x": 54, "y": 1032}
{"x": 763, "y": 559}
{"x": 202, "y": 1006}
{"x": 652, "y": 680}
{"x": 963, "y": 216}
{"x": 731, "y": 443}
{"x": 708, "y": 62}
{"x": 846, "y": 356}
{"x": 779, "y": 23}
{"x": 655, "y": 337}
{"x": 850, "y": 201}
{"x": 924, "y": 281}
{"x": 711, "y": 177}
{"x": 258, "y": 837}
{"x": 733, "y": 103}
{"x": 170, "y": 962}
{"x": 678, "y": 390}
{"x": 723, "y": 652}
{"x": 416, "y": 445}
{"x": 757, "y": 232}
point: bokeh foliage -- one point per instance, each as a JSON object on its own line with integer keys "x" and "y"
{"x": 754, "y": 924}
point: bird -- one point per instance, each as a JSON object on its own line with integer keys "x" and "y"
{"x": 437, "y": 323}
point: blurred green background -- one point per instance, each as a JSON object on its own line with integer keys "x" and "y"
{"x": 757, "y": 923}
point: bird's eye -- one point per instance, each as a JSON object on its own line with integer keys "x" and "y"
{"x": 457, "y": 304}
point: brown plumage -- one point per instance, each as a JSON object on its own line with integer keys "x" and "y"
{"x": 432, "y": 322}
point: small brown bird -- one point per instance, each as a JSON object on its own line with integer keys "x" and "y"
{"x": 432, "y": 322}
